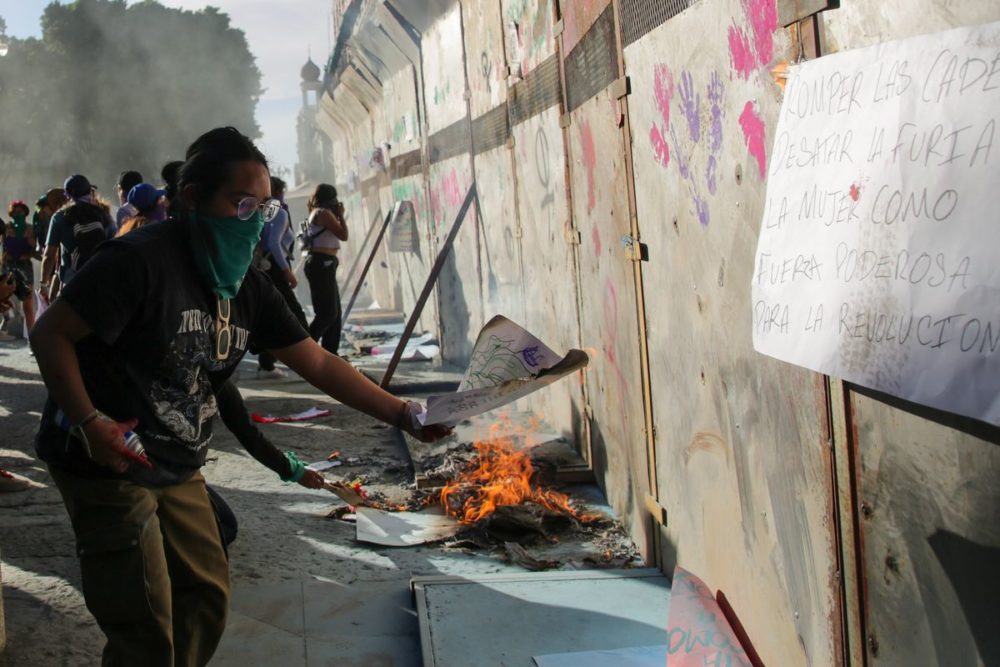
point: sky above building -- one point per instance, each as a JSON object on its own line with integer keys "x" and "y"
{"x": 280, "y": 35}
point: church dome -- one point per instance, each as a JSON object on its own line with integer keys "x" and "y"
{"x": 310, "y": 71}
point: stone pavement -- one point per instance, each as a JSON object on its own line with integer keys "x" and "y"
{"x": 304, "y": 591}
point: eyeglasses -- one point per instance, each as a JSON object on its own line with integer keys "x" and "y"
{"x": 250, "y": 205}
{"x": 223, "y": 329}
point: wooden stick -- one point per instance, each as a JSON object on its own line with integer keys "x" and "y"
{"x": 361, "y": 250}
{"x": 425, "y": 294}
{"x": 364, "y": 272}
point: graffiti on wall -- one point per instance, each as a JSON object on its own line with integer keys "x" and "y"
{"x": 751, "y": 46}
{"x": 447, "y": 192}
{"x": 530, "y": 29}
{"x": 694, "y": 142}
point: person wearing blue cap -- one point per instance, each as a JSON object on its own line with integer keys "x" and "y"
{"x": 147, "y": 201}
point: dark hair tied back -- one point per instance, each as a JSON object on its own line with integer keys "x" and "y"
{"x": 209, "y": 160}
{"x": 325, "y": 196}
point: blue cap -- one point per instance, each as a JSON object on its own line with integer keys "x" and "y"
{"x": 77, "y": 186}
{"x": 144, "y": 196}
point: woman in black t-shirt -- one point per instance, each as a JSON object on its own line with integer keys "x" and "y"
{"x": 144, "y": 357}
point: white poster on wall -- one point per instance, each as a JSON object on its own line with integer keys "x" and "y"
{"x": 879, "y": 253}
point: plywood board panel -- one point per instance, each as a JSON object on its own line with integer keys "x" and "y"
{"x": 927, "y": 501}
{"x": 484, "y": 46}
{"x": 929, "y": 505}
{"x": 499, "y": 238}
{"x": 444, "y": 71}
{"x": 548, "y": 260}
{"x": 529, "y": 30}
{"x": 743, "y": 460}
{"x": 608, "y": 322}
{"x": 858, "y": 24}
{"x": 536, "y": 613}
{"x": 412, "y": 269}
{"x": 460, "y": 296}
{"x": 381, "y": 274}
{"x": 400, "y": 101}
{"x": 577, "y": 17}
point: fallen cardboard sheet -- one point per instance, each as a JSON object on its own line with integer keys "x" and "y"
{"x": 640, "y": 656}
{"x": 507, "y": 363}
{"x": 403, "y": 529}
{"x": 522, "y": 615}
{"x": 698, "y": 633}
{"x": 305, "y": 415}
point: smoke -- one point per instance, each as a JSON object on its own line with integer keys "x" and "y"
{"x": 111, "y": 87}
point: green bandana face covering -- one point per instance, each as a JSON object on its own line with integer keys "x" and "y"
{"x": 234, "y": 241}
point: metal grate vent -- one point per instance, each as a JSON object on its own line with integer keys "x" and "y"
{"x": 539, "y": 90}
{"x": 592, "y": 65}
{"x": 491, "y": 129}
{"x": 640, "y": 17}
{"x": 406, "y": 164}
{"x": 449, "y": 142}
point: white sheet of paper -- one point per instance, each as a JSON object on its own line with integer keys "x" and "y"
{"x": 879, "y": 253}
{"x": 507, "y": 363}
{"x": 403, "y": 529}
{"x": 320, "y": 466}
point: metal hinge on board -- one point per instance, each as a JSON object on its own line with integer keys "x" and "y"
{"x": 557, "y": 29}
{"x": 621, "y": 88}
{"x": 572, "y": 236}
{"x": 634, "y": 250}
{"x": 658, "y": 511}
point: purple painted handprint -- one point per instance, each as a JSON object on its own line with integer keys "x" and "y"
{"x": 679, "y": 156}
{"x": 690, "y": 104}
{"x": 715, "y": 90}
{"x": 707, "y": 145}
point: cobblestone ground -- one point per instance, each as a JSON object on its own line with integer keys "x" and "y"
{"x": 284, "y": 534}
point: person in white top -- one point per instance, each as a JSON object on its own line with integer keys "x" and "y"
{"x": 327, "y": 229}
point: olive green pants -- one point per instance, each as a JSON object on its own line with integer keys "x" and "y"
{"x": 154, "y": 572}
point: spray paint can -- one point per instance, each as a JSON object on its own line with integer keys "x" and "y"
{"x": 134, "y": 444}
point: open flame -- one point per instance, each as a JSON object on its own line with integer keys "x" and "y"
{"x": 499, "y": 475}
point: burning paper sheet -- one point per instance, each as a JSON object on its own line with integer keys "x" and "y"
{"x": 507, "y": 363}
{"x": 698, "y": 633}
{"x": 403, "y": 529}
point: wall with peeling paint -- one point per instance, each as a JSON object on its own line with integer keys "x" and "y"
{"x": 843, "y": 527}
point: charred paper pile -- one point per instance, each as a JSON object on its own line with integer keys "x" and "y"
{"x": 502, "y": 482}
{"x": 505, "y": 494}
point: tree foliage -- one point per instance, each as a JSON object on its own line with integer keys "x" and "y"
{"x": 110, "y": 87}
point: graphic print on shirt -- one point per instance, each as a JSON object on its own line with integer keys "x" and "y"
{"x": 181, "y": 394}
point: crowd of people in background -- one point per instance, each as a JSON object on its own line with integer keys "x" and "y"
{"x": 70, "y": 222}
{"x": 148, "y": 312}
